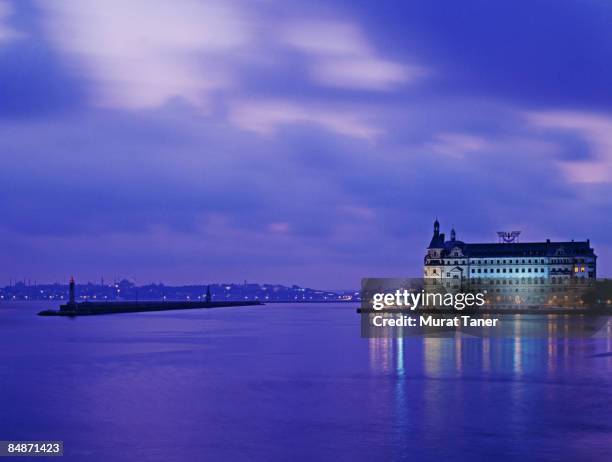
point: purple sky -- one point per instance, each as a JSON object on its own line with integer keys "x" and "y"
{"x": 296, "y": 142}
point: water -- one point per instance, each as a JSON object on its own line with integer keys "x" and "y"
{"x": 295, "y": 382}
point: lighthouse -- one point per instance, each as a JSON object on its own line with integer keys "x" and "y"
{"x": 71, "y": 300}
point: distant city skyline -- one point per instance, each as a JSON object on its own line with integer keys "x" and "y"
{"x": 127, "y": 290}
{"x": 308, "y": 143}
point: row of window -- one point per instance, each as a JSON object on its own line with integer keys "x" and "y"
{"x": 529, "y": 280}
{"x": 493, "y": 262}
{"x": 577, "y": 269}
{"x": 484, "y": 282}
{"x": 515, "y": 262}
{"x": 503, "y": 270}
{"x": 499, "y": 262}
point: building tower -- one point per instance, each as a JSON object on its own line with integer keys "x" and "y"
{"x": 433, "y": 259}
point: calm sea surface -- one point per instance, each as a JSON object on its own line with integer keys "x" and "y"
{"x": 296, "y": 382}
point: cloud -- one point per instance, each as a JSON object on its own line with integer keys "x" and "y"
{"x": 266, "y": 117}
{"x": 456, "y": 145}
{"x": 193, "y": 49}
{"x": 164, "y": 195}
{"x": 261, "y": 142}
{"x": 340, "y": 56}
{"x": 596, "y": 129}
{"x": 7, "y": 33}
{"x": 141, "y": 54}
{"x": 330, "y": 38}
{"x": 279, "y": 228}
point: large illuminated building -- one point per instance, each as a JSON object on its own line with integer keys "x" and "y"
{"x": 526, "y": 271}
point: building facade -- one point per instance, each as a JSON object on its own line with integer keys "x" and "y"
{"x": 529, "y": 272}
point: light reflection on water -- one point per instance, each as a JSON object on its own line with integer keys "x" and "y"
{"x": 460, "y": 352}
{"x": 298, "y": 382}
{"x": 538, "y": 398}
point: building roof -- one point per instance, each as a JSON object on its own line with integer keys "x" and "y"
{"x": 437, "y": 241}
{"x": 509, "y": 249}
{"x": 524, "y": 249}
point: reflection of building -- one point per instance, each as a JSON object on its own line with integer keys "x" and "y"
{"x": 519, "y": 270}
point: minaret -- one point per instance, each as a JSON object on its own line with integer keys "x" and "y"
{"x": 71, "y": 300}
